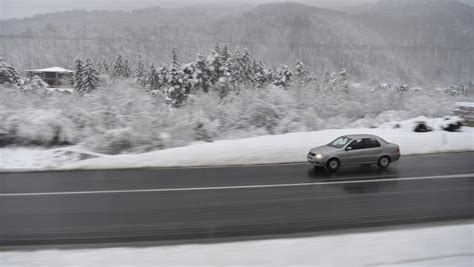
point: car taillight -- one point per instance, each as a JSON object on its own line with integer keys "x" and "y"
{"x": 398, "y": 149}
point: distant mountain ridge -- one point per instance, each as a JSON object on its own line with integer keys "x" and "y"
{"x": 367, "y": 40}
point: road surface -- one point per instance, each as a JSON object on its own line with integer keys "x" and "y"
{"x": 170, "y": 204}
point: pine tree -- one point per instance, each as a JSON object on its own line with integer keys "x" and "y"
{"x": 78, "y": 75}
{"x": 202, "y": 74}
{"x": 235, "y": 69}
{"x": 216, "y": 66}
{"x": 163, "y": 74}
{"x": 188, "y": 78}
{"x": 174, "y": 58}
{"x": 121, "y": 68}
{"x": 225, "y": 53}
{"x": 127, "y": 69}
{"x": 90, "y": 78}
{"x": 259, "y": 73}
{"x": 217, "y": 48}
{"x": 105, "y": 67}
{"x": 247, "y": 65}
{"x": 175, "y": 93}
{"x": 140, "y": 74}
{"x": 153, "y": 82}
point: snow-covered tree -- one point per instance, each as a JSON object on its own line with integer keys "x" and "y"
{"x": 127, "y": 68}
{"x": 188, "y": 78}
{"x": 8, "y": 74}
{"x": 217, "y": 48}
{"x": 140, "y": 74}
{"x": 260, "y": 75}
{"x": 103, "y": 67}
{"x": 163, "y": 73}
{"x": 153, "y": 82}
{"x": 175, "y": 93}
{"x": 78, "y": 75}
{"x": 121, "y": 68}
{"x": 90, "y": 78}
{"x": 216, "y": 66}
{"x": 246, "y": 66}
{"x": 282, "y": 77}
{"x": 300, "y": 70}
{"x": 174, "y": 58}
{"x": 225, "y": 53}
{"x": 86, "y": 78}
{"x": 202, "y": 74}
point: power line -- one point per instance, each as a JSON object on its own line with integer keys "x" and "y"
{"x": 246, "y": 43}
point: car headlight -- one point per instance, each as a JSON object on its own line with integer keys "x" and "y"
{"x": 319, "y": 156}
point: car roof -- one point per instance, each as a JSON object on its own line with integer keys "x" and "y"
{"x": 358, "y": 136}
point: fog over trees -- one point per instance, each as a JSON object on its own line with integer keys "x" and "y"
{"x": 410, "y": 41}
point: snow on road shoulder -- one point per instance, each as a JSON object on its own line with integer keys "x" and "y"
{"x": 279, "y": 149}
{"x": 449, "y": 245}
{"x": 27, "y": 158}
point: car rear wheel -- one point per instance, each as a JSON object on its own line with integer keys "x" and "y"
{"x": 333, "y": 165}
{"x": 384, "y": 162}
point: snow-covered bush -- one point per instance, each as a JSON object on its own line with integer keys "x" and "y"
{"x": 38, "y": 127}
{"x": 422, "y": 127}
{"x": 116, "y": 141}
{"x": 452, "y": 123}
{"x": 8, "y": 75}
{"x": 35, "y": 85}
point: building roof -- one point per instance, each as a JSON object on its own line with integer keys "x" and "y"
{"x": 52, "y": 69}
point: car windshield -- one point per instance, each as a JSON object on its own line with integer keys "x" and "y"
{"x": 340, "y": 142}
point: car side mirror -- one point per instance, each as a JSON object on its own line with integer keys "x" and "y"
{"x": 349, "y": 148}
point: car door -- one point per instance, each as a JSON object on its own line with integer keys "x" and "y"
{"x": 372, "y": 151}
{"x": 353, "y": 152}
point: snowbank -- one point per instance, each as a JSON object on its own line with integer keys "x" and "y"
{"x": 430, "y": 246}
{"x": 24, "y": 158}
{"x": 279, "y": 149}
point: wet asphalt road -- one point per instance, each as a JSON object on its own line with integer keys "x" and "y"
{"x": 173, "y": 204}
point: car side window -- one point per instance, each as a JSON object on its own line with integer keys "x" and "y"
{"x": 357, "y": 144}
{"x": 371, "y": 143}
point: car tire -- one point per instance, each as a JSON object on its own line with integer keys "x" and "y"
{"x": 333, "y": 165}
{"x": 384, "y": 162}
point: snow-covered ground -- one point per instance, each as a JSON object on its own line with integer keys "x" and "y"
{"x": 279, "y": 149}
{"x": 259, "y": 150}
{"x": 451, "y": 245}
{"x": 24, "y": 158}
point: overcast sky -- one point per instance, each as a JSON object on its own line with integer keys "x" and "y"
{"x": 24, "y": 8}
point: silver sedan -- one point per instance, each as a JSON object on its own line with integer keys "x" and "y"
{"x": 354, "y": 150}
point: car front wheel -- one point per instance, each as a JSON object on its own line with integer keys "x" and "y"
{"x": 333, "y": 165}
{"x": 384, "y": 162}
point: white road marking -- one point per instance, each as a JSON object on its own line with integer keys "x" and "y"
{"x": 455, "y": 176}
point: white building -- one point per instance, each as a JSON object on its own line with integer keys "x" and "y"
{"x": 55, "y": 76}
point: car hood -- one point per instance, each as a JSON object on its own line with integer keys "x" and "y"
{"x": 324, "y": 150}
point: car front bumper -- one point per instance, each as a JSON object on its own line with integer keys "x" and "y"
{"x": 313, "y": 161}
